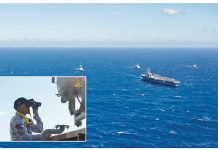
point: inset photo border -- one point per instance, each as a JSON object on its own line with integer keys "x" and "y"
{"x": 43, "y": 108}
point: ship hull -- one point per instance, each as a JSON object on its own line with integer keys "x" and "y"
{"x": 159, "y": 81}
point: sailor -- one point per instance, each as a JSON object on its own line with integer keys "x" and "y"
{"x": 21, "y": 127}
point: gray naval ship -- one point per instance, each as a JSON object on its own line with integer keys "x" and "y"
{"x": 155, "y": 78}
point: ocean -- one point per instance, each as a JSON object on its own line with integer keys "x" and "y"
{"x": 123, "y": 110}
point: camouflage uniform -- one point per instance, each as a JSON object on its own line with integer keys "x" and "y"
{"x": 20, "y": 131}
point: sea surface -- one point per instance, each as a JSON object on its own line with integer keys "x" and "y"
{"x": 122, "y": 110}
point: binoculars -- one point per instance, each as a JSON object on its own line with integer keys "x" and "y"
{"x": 33, "y": 104}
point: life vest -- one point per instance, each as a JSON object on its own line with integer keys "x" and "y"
{"x": 26, "y": 120}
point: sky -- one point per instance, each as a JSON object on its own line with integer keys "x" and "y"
{"x": 87, "y": 25}
{"x": 41, "y": 89}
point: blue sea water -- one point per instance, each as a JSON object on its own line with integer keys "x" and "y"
{"x": 122, "y": 110}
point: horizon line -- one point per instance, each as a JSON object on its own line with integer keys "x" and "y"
{"x": 214, "y": 47}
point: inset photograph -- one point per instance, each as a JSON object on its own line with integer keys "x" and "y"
{"x": 43, "y": 108}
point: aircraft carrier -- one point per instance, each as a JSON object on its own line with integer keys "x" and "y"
{"x": 154, "y": 78}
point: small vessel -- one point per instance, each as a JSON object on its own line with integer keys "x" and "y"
{"x": 194, "y": 66}
{"x": 80, "y": 68}
{"x": 137, "y": 66}
{"x": 155, "y": 78}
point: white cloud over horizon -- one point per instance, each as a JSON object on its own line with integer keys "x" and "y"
{"x": 115, "y": 12}
{"x": 172, "y": 12}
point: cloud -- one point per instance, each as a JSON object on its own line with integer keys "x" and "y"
{"x": 211, "y": 30}
{"x": 172, "y": 12}
{"x": 3, "y": 113}
{"x": 205, "y": 30}
{"x": 115, "y": 12}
